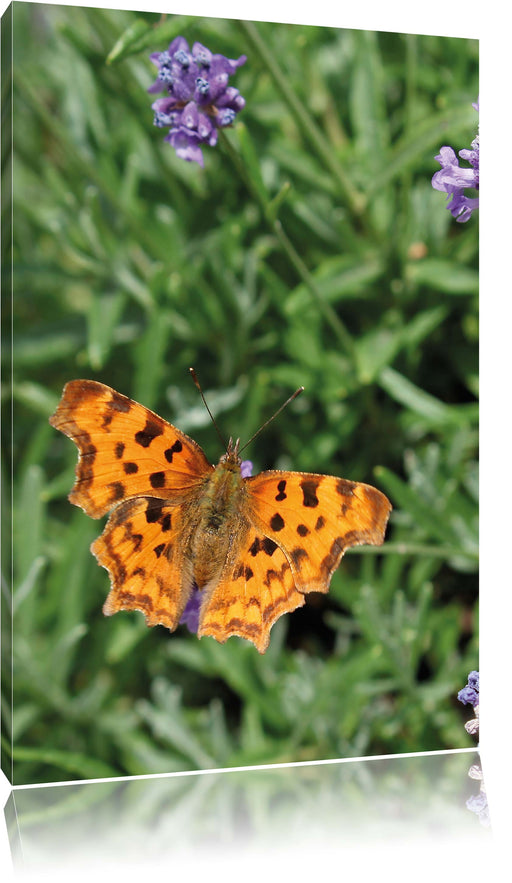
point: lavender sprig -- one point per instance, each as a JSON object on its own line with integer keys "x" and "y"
{"x": 453, "y": 180}
{"x": 199, "y": 100}
{"x": 470, "y": 695}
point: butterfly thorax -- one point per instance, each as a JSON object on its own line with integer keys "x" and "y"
{"x": 220, "y": 507}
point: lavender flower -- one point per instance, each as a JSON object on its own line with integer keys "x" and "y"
{"x": 199, "y": 101}
{"x": 470, "y": 695}
{"x": 246, "y": 468}
{"x": 453, "y": 180}
{"x": 190, "y": 615}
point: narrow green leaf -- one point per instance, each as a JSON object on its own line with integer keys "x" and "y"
{"x": 375, "y": 350}
{"x": 428, "y": 406}
{"x": 103, "y": 318}
{"x": 79, "y": 765}
{"x": 423, "y": 515}
{"x": 275, "y": 203}
{"x": 443, "y": 275}
{"x": 35, "y": 397}
{"x": 240, "y": 136}
{"x": 131, "y": 41}
{"x": 143, "y": 35}
{"x": 337, "y": 278}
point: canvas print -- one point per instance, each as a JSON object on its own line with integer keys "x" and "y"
{"x": 240, "y": 383}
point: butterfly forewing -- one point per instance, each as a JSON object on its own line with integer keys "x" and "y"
{"x": 315, "y": 518}
{"x": 125, "y": 449}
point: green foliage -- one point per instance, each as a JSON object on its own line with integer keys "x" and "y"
{"x": 311, "y": 250}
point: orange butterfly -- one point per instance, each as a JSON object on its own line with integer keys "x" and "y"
{"x": 248, "y": 549}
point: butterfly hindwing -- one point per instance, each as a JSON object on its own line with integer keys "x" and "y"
{"x": 125, "y": 449}
{"x": 142, "y": 550}
{"x": 255, "y": 588}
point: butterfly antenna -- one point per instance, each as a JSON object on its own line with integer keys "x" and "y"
{"x": 196, "y": 381}
{"x": 283, "y": 406}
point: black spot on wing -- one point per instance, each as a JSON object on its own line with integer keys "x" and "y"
{"x": 118, "y": 403}
{"x": 176, "y": 448}
{"x": 154, "y": 511}
{"x": 297, "y": 555}
{"x": 117, "y": 490}
{"x": 268, "y": 546}
{"x": 309, "y": 488}
{"x": 276, "y": 522}
{"x": 152, "y": 430}
{"x": 281, "y": 487}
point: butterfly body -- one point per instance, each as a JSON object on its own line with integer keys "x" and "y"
{"x": 251, "y": 547}
{"x": 220, "y": 505}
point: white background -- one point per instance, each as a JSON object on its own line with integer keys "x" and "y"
{"x": 488, "y": 22}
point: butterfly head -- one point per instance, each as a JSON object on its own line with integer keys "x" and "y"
{"x": 233, "y": 461}
{"x": 232, "y": 456}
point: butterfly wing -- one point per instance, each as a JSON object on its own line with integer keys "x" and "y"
{"x": 289, "y": 540}
{"x": 255, "y": 588}
{"x": 314, "y": 519}
{"x": 126, "y": 450}
{"x": 143, "y": 547}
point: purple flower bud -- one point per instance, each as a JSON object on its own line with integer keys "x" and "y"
{"x": 225, "y": 117}
{"x": 474, "y": 680}
{"x": 190, "y": 616}
{"x": 202, "y": 86}
{"x": 199, "y": 100}
{"x": 470, "y": 695}
{"x": 202, "y": 55}
{"x": 163, "y": 119}
{"x": 182, "y": 57}
{"x": 246, "y": 468}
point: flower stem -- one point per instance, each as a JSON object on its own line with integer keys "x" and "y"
{"x": 355, "y": 200}
{"x": 289, "y": 249}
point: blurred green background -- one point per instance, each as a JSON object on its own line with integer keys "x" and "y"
{"x": 311, "y": 250}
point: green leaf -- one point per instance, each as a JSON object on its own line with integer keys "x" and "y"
{"x": 428, "y": 406}
{"x": 36, "y": 397}
{"x": 337, "y": 278}
{"x": 241, "y": 136}
{"x": 375, "y": 350}
{"x": 131, "y": 41}
{"x": 142, "y": 35}
{"x": 78, "y": 764}
{"x": 103, "y": 318}
{"x": 443, "y": 275}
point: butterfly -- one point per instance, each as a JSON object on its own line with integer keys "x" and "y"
{"x": 250, "y": 548}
